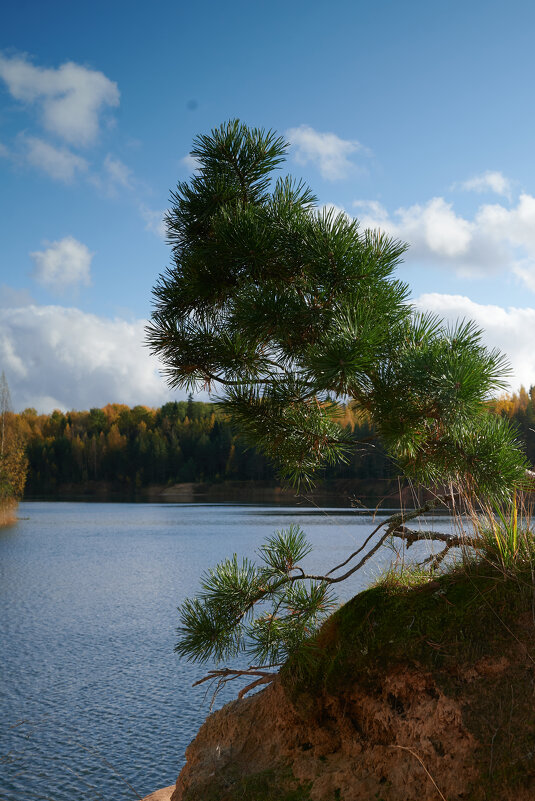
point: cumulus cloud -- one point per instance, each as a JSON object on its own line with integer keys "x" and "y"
{"x": 497, "y": 238}
{"x": 58, "y": 162}
{"x": 14, "y": 297}
{"x": 506, "y": 329}
{"x": 70, "y": 98}
{"x": 63, "y": 264}
{"x": 516, "y": 224}
{"x": 58, "y": 357}
{"x": 433, "y": 227}
{"x": 326, "y": 150}
{"x": 490, "y": 181}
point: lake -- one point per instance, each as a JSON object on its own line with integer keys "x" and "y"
{"x": 94, "y": 702}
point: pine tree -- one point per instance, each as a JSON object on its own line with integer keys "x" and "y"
{"x": 289, "y": 311}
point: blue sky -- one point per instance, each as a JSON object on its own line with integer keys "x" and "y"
{"x": 416, "y": 117}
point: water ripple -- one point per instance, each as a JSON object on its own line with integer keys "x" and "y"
{"x": 93, "y": 698}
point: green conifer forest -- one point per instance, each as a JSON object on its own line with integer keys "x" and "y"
{"x": 188, "y": 441}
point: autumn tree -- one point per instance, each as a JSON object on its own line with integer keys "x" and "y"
{"x": 13, "y": 462}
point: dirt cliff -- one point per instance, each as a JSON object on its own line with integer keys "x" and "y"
{"x": 417, "y": 695}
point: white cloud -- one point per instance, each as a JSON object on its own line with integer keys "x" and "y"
{"x": 56, "y": 357}
{"x": 516, "y": 228}
{"x": 326, "y": 150}
{"x": 14, "y": 297}
{"x": 113, "y": 176}
{"x": 4, "y": 152}
{"x": 190, "y": 162}
{"x": 63, "y": 264}
{"x": 71, "y": 98}
{"x": 154, "y": 221}
{"x": 117, "y": 172}
{"x": 516, "y": 225}
{"x": 60, "y": 163}
{"x": 497, "y": 238}
{"x": 373, "y": 211}
{"x": 490, "y": 181}
{"x": 506, "y": 329}
{"x": 433, "y": 228}
{"x": 11, "y": 361}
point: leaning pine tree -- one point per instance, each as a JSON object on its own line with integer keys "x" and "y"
{"x": 288, "y": 312}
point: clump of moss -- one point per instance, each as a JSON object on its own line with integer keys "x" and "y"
{"x": 450, "y": 620}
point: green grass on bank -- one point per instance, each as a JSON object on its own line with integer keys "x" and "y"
{"x": 453, "y": 619}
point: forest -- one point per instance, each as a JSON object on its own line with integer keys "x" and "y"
{"x": 190, "y": 441}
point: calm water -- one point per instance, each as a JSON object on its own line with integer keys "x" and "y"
{"x": 93, "y": 700}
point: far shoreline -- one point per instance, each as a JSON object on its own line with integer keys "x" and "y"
{"x": 342, "y": 493}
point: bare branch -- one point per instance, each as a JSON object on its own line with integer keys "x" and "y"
{"x": 225, "y": 673}
{"x": 399, "y": 519}
{"x": 452, "y": 540}
{"x": 256, "y": 683}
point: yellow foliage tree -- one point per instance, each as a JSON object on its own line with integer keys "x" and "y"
{"x": 13, "y": 462}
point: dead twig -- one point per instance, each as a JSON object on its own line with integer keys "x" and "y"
{"x": 405, "y": 748}
{"x": 225, "y": 673}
